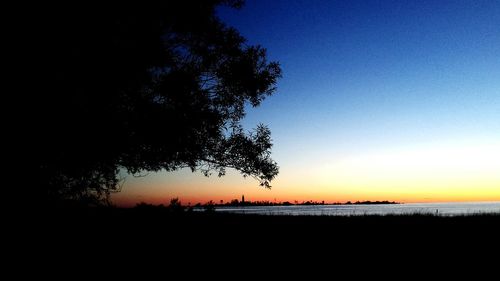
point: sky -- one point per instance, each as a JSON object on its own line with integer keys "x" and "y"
{"x": 379, "y": 100}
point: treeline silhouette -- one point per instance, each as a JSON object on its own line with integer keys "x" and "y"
{"x": 369, "y": 203}
{"x": 236, "y": 202}
{"x": 176, "y": 206}
{"x": 120, "y": 72}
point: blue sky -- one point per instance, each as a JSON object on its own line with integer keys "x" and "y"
{"x": 363, "y": 78}
{"x": 378, "y": 71}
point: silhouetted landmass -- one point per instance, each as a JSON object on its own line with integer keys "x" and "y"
{"x": 371, "y": 202}
{"x": 236, "y": 202}
{"x": 176, "y": 206}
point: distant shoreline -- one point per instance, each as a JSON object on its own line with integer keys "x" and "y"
{"x": 236, "y": 203}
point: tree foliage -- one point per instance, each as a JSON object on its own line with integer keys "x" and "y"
{"x": 146, "y": 87}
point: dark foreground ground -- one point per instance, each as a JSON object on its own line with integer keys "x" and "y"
{"x": 206, "y": 238}
{"x": 228, "y": 230}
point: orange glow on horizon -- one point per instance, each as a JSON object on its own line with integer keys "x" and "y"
{"x": 252, "y": 195}
{"x": 440, "y": 172}
{"x": 194, "y": 200}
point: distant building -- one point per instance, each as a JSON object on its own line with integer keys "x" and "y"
{"x": 242, "y": 199}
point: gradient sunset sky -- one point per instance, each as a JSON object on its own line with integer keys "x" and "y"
{"x": 379, "y": 100}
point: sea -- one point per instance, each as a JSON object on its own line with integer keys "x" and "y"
{"x": 443, "y": 209}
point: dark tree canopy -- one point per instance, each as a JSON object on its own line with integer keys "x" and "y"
{"x": 146, "y": 87}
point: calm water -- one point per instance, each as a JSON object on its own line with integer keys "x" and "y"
{"x": 354, "y": 210}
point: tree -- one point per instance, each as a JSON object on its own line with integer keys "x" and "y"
{"x": 146, "y": 87}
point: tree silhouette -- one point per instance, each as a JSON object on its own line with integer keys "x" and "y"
{"x": 146, "y": 87}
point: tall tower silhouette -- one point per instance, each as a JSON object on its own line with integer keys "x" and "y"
{"x": 242, "y": 199}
